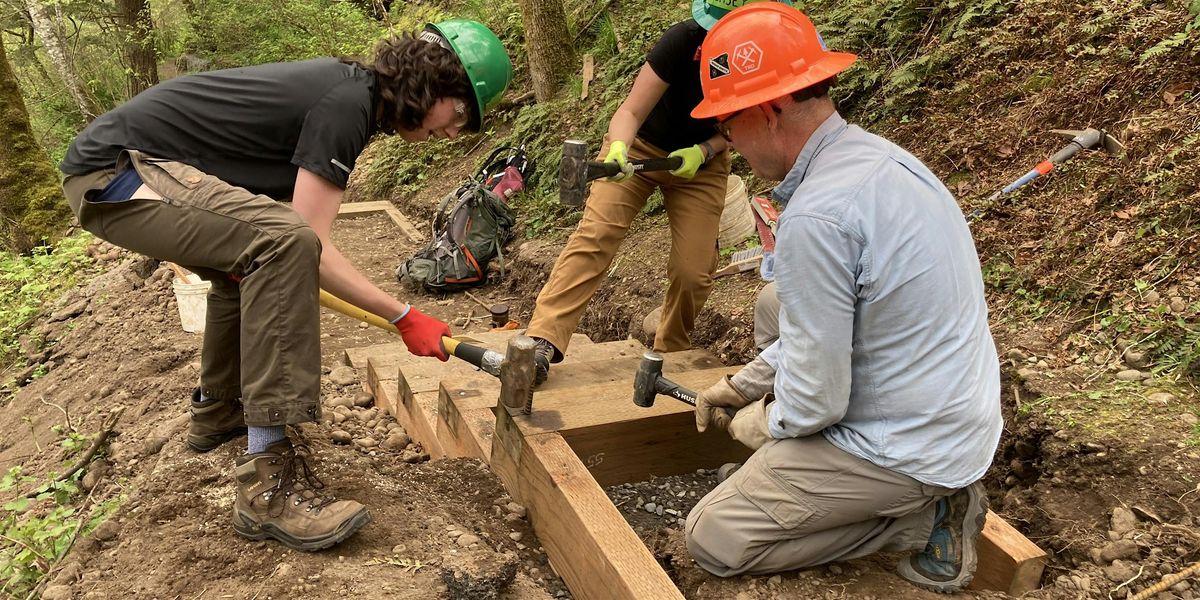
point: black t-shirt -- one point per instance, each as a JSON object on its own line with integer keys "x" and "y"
{"x": 251, "y": 127}
{"x": 676, "y": 60}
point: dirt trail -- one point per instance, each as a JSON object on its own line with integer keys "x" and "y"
{"x": 1112, "y": 498}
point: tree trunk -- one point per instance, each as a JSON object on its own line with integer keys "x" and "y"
{"x": 551, "y": 56}
{"x": 140, "y": 56}
{"x": 55, "y": 45}
{"x": 32, "y": 207}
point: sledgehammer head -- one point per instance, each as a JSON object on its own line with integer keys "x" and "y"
{"x": 572, "y": 174}
{"x": 646, "y": 381}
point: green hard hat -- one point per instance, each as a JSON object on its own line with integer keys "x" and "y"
{"x": 707, "y": 12}
{"x": 483, "y": 57}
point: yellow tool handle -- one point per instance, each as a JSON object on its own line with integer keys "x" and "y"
{"x": 334, "y": 303}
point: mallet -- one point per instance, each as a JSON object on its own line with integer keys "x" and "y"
{"x": 575, "y": 170}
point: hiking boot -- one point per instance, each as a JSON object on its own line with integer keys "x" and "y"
{"x": 214, "y": 422}
{"x": 277, "y": 498}
{"x": 725, "y": 470}
{"x": 948, "y": 562}
{"x": 542, "y": 355}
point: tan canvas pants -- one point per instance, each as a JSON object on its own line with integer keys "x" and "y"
{"x": 694, "y": 209}
{"x": 803, "y": 502}
{"x": 262, "y": 335}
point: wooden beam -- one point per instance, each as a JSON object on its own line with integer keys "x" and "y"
{"x": 397, "y": 217}
{"x": 1008, "y": 561}
{"x": 588, "y": 541}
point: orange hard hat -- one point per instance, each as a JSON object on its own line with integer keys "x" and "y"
{"x": 760, "y": 52}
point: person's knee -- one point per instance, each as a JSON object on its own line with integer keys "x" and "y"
{"x": 766, "y": 316}
{"x": 302, "y": 241}
{"x": 713, "y": 547}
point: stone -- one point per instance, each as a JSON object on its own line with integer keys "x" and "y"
{"x": 650, "y": 507}
{"x": 1119, "y": 572}
{"x": 775, "y": 580}
{"x": 516, "y": 509}
{"x": 343, "y": 376}
{"x": 1152, "y": 298}
{"x": 364, "y": 399}
{"x": 835, "y": 570}
{"x": 396, "y": 442}
{"x": 1123, "y": 520}
{"x": 1130, "y": 375}
{"x": 56, "y": 592}
{"x": 410, "y": 457}
{"x": 1135, "y": 359}
{"x": 107, "y": 531}
{"x": 283, "y": 571}
{"x": 1161, "y": 398}
{"x": 69, "y": 312}
{"x": 340, "y": 401}
{"x": 1026, "y": 373}
{"x": 366, "y": 442}
{"x": 69, "y": 574}
{"x": 1189, "y": 419}
{"x": 1119, "y": 549}
{"x": 340, "y": 437}
{"x": 1016, "y": 355}
{"x": 1178, "y": 305}
{"x": 516, "y": 536}
{"x": 467, "y": 539}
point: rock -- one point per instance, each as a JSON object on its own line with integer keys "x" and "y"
{"x": 516, "y": 509}
{"x": 340, "y": 437}
{"x": 775, "y": 580}
{"x": 69, "y": 312}
{"x": 835, "y": 570}
{"x": 396, "y": 441}
{"x": 107, "y": 531}
{"x": 367, "y": 442}
{"x": 1119, "y": 572}
{"x": 283, "y": 571}
{"x": 1161, "y": 398}
{"x": 1119, "y": 549}
{"x": 69, "y": 574}
{"x": 1016, "y": 355}
{"x": 339, "y": 402}
{"x": 339, "y": 418}
{"x": 1135, "y": 359}
{"x": 343, "y": 376}
{"x": 1178, "y": 305}
{"x": 1152, "y": 298}
{"x": 364, "y": 399}
{"x": 1026, "y": 373}
{"x": 1189, "y": 419}
{"x": 153, "y": 445}
{"x": 650, "y": 507}
{"x": 1123, "y": 520}
{"x": 515, "y": 536}
{"x": 1130, "y": 375}
{"x": 650, "y": 322}
{"x": 410, "y": 457}
{"x": 56, "y": 592}
{"x": 467, "y": 539}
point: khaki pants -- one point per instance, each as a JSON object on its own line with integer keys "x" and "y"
{"x": 262, "y": 335}
{"x": 694, "y": 209}
{"x": 766, "y": 317}
{"x": 802, "y": 502}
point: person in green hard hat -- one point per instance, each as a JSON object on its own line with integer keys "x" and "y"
{"x": 654, "y": 121}
{"x": 191, "y": 171}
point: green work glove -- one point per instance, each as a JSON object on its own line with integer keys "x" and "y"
{"x": 618, "y": 152}
{"x": 693, "y": 159}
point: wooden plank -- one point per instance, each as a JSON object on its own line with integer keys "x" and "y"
{"x": 397, "y": 217}
{"x": 1008, "y": 561}
{"x": 589, "y": 72}
{"x": 357, "y": 357}
{"x": 587, "y": 540}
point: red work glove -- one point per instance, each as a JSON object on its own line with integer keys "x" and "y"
{"x": 423, "y": 334}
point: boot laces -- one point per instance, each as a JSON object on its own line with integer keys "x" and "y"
{"x": 297, "y": 483}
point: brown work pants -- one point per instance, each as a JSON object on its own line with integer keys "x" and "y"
{"x": 694, "y": 209}
{"x": 262, "y": 335}
{"x": 802, "y": 502}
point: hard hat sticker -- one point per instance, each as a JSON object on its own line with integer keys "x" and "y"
{"x": 747, "y": 57}
{"x": 718, "y": 66}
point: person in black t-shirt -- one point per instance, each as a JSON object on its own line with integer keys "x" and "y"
{"x": 190, "y": 171}
{"x": 654, "y": 121}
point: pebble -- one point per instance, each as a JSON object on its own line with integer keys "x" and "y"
{"x": 650, "y": 507}
{"x": 396, "y": 442}
{"x": 343, "y": 376}
{"x": 1135, "y": 359}
{"x": 835, "y": 570}
{"x": 467, "y": 539}
{"x": 1178, "y": 305}
{"x": 57, "y": 592}
{"x": 516, "y": 509}
{"x": 1161, "y": 398}
{"x": 340, "y": 401}
{"x": 283, "y": 571}
{"x": 1189, "y": 419}
{"x": 399, "y": 549}
{"x": 1119, "y": 572}
{"x": 1026, "y": 373}
{"x": 366, "y": 442}
{"x": 1123, "y": 520}
{"x": 410, "y": 457}
{"x": 1118, "y": 550}
{"x": 338, "y": 436}
{"x": 516, "y": 536}
{"x": 1130, "y": 375}
{"x": 364, "y": 399}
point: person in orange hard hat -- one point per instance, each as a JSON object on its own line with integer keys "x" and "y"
{"x": 876, "y": 412}
{"x": 652, "y": 122}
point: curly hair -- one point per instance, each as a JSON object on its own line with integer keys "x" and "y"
{"x": 410, "y": 76}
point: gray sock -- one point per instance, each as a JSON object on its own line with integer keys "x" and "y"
{"x": 261, "y": 437}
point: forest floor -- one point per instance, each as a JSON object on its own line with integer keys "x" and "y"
{"x": 1098, "y": 465}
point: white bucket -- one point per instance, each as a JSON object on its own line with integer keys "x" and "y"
{"x": 192, "y": 298}
{"x": 737, "y": 223}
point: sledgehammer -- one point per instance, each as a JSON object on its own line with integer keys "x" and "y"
{"x": 649, "y": 383}
{"x": 486, "y": 360}
{"x": 575, "y": 170}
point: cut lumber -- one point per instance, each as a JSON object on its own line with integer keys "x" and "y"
{"x": 1008, "y": 561}
{"x": 397, "y": 217}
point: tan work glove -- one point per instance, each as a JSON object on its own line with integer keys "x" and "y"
{"x": 749, "y": 425}
{"x": 711, "y": 404}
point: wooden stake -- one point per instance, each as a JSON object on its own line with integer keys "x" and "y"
{"x": 589, "y": 71}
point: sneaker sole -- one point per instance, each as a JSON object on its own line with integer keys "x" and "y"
{"x": 250, "y": 529}
{"x": 970, "y": 556}
{"x": 204, "y": 444}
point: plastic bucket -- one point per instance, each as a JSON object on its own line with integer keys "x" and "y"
{"x": 192, "y": 299}
{"x": 737, "y": 222}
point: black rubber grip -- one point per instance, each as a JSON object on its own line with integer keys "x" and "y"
{"x": 471, "y": 354}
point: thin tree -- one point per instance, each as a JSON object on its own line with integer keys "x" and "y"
{"x": 140, "y": 57}
{"x": 548, "y": 44}
{"x": 32, "y": 207}
{"x": 49, "y": 30}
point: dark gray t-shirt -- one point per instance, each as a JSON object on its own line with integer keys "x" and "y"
{"x": 251, "y": 126}
{"x": 676, "y": 60}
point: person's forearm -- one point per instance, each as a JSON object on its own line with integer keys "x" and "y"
{"x": 623, "y": 126}
{"x": 340, "y": 278}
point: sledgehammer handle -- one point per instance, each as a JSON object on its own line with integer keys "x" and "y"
{"x": 676, "y": 391}
{"x": 597, "y": 169}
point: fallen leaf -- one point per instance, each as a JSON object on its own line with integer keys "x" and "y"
{"x": 1006, "y": 151}
{"x": 1116, "y": 239}
{"x": 1121, "y": 214}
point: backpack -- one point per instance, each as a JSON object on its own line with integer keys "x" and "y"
{"x": 470, "y": 228}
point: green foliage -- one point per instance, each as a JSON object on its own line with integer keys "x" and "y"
{"x": 37, "y": 532}
{"x": 28, "y": 283}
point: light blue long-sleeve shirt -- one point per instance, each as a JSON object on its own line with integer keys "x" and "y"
{"x": 883, "y": 344}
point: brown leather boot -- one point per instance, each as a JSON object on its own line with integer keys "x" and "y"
{"x": 277, "y": 498}
{"x": 214, "y": 422}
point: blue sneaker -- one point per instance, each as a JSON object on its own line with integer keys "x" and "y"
{"x": 948, "y": 562}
